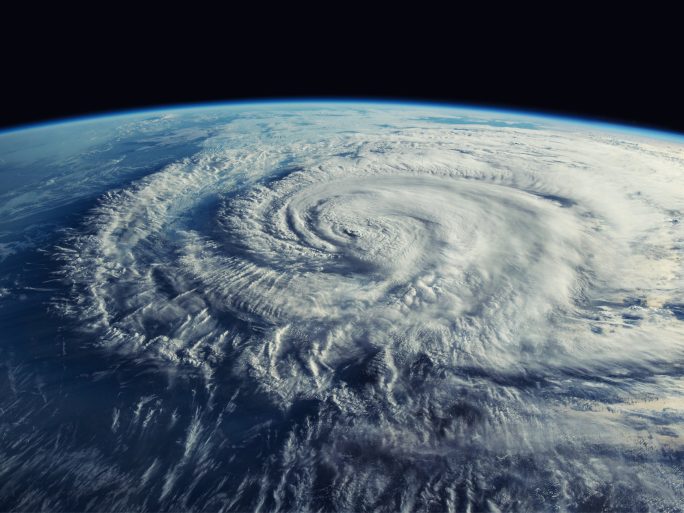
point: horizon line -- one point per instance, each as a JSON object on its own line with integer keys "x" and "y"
{"x": 486, "y": 107}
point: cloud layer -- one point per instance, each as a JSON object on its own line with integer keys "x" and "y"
{"x": 391, "y": 310}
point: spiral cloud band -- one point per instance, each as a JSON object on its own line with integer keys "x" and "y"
{"x": 391, "y": 309}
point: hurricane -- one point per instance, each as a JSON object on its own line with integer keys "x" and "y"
{"x": 341, "y": 307}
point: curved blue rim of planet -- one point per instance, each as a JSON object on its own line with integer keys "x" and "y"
{"x": 341, "y": 306}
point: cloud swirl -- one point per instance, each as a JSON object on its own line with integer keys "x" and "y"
{"x": 414, "y": 315}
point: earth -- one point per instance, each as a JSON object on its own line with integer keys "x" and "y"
{"x": 343, "y": 306}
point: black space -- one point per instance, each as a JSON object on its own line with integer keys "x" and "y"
{"x": 56, "y": 68}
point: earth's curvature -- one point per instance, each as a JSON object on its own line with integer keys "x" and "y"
{"x": 341, "y": 307}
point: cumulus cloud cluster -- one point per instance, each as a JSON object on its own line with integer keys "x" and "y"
{"x": 411, "y": 315}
